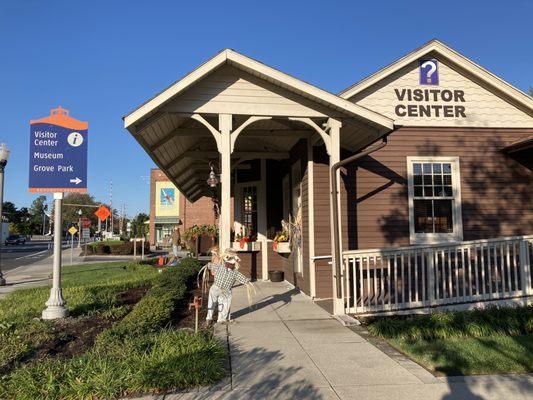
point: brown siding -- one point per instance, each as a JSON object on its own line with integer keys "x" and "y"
{"x": 497, "y": 199}
{"x": 323, "y": 276}
{"x": 305, "y": 285}
{"x": 299, "y": 154}
{"x": 276, "y": 261}
{"x": 250, "y": 264}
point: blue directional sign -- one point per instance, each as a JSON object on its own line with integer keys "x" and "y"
{"x": 58, "y": 153}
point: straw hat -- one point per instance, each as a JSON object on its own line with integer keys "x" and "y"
{"x": 230, "y": 256}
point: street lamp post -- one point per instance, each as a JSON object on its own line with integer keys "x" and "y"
{"x": 4, "y": 156}
{"x": 79, "y": 228}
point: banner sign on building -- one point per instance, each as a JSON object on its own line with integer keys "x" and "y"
{"x": 167, "y": 199}
{"x": 58, "y": 153}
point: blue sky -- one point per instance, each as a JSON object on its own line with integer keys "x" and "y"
{"x": 101, "y": 59}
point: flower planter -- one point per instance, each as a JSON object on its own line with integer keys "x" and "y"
{"x": 275, "y": 276}
{"x": 282, "y": 247}
{"x": 246, "y": 246}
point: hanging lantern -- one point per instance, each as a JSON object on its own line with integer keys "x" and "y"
{"x": 212, "y": 181}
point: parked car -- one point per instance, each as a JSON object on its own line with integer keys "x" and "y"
{"x": 15, "y": 239}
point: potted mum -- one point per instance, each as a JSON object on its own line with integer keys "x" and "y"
{"x": 246, "y": 240}
{"x": 282, "y": 243}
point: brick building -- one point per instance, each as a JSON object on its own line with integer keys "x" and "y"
{"x": 169, "y": 207}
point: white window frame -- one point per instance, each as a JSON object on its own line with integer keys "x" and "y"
{"x": 434, "y": 238}
{"x": 238, "y": 204}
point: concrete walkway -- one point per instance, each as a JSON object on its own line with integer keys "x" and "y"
{"x": 286, "y": 347}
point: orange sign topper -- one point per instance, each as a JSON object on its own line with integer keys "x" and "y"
{"x": 102, "y": 213}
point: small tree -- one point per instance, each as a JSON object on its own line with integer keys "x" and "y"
{"x": 138, "y": 227}
{"x": 37, "y": 211}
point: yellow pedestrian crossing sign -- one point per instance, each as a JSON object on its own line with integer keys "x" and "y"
{"x": 72, "y": 230}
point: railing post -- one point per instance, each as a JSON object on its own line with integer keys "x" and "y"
{"x": 431, "y": 277}
{"x": 525, "y": 268}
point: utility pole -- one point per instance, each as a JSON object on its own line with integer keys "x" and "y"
{"x": 121, "y": 222}
{"x": 111, "y": 203}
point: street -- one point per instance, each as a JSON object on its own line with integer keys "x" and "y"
{"x": 14, "y": 256}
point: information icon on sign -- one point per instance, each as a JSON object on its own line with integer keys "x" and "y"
{"x": 75, "y": 139}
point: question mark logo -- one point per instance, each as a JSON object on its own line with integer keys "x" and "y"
{"x": 428, "y": 72}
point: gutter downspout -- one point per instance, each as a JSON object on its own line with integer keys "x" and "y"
{"x": 334, "y": 197}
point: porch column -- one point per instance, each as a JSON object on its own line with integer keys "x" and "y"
{"x": 224, "y": 126}
{"x": 334, "y": 157}
{"x": 262, "y": 221}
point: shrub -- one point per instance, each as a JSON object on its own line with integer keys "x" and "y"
{"x": 102, "y": 248}
{"x": 155, "y": 309}
{"x": 442, "y": 325}
{"x": 116, "y": 248}
{"x": 167, "y": 360}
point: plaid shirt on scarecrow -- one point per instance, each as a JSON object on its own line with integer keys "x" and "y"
{"x": 225, "y": 278}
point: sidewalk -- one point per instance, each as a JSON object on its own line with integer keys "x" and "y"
{"x": 40, "y": 273}
{"x": 286, "y": 347}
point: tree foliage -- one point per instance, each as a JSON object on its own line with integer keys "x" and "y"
{"x": 73, "y": 202}
{"x": 21, "y": 221}
{"x": 30, "y": 221}
{"x": 138, "y": 228}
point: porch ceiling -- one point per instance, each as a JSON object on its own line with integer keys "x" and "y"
{"x": 233, "y": 84}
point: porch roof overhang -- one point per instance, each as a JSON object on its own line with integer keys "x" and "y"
{"x": 520, "y": 145}
{"x": 179, "y": 138}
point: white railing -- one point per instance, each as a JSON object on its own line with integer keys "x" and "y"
{"x": 404, "y": 278}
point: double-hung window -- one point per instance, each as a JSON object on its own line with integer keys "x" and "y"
{"x": 434, "y": 200}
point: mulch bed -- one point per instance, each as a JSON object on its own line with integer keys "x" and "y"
{"x": 184, "y": 318}
{"x": 74, "y": 336}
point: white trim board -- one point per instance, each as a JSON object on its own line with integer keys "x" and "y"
{"x": 433, "y": 238}
{"x": 231, "y": 57}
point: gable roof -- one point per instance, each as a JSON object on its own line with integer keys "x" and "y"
{"x": 511, "y": 93}
{"x": 270, "y": 74}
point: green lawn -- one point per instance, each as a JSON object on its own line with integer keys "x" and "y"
{"x": 464, "y": 343}
{"x": 120, "y": 339}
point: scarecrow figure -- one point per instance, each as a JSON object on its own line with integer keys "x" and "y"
{"x": 175, "y": 240}
{"x": 226, "y": 275}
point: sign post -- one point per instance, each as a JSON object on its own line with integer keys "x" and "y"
{"x": 72, "y": 232}
{"x": 58, "y": 164}
{"x": 55, "y": 306}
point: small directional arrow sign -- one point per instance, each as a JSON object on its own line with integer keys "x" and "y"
{"x": 76, "y": 180}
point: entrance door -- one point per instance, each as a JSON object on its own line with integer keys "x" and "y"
{"x": 296, "y": 217}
